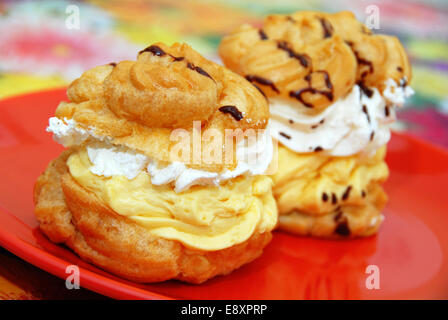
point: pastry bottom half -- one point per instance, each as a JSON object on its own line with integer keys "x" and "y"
{"x": 330, "y": 197}
{"x": 72, "y": 215}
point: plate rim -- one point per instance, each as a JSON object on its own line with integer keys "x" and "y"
{"x": 91, "y": 280}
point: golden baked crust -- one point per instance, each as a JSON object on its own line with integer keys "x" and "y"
{"x": 314, "y": 57}
{"x": 139, "y": 103}
{"x": 70, "y": 214}
{"x": 329, "y": 196}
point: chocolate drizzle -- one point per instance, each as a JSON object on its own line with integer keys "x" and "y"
{"x": 298, "y": 94}
{"x": 324, "y": 197}
{"x": 364, "y": 109}
{"x": 327, "y": 27}
{"x": 318, "y": 149}
{"x": 262, "y": 81}
{"x": 372, "y": 135}
{"x": 113, "y": 64}
{"x": 334, "y": 199}
{"x": 368, "y": 92}
{"x": 304, "y": 59}
{"x": 287, "y": 136}
{"x": 198, "y": 70}
{"x": 386, "y": 111}
{"x": 261, "y": 91}
{"x": 338, "y": 215}
{"x": 263, "y": 35}
{"x": 157, "y": 51}
{"x": 314, "y": 126}
{"x": 361, "y": 61}
{"x": 346, "y": 193}
{"x": 403, "y": 82}
{"x": 342, "y": 228}
{"x": 233, "y": 111}
{"x": 365, "y": 62}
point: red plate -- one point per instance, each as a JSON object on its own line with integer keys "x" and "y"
{"x": 411, "y": 250}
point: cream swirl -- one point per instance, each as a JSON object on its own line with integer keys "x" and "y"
{"x": 357, "y": 123}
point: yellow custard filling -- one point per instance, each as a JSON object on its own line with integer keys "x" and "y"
{"x": 318, "y": 184}
{"x": 202, "y": 217}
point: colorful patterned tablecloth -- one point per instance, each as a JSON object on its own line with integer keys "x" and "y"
{"x": 40, "y": 47}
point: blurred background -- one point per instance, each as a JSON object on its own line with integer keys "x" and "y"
{"x": 42, "y": 47}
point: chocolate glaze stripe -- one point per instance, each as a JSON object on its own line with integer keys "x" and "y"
{"x": 261, "y": 91}
{"x": 364, "y": 109}
{"x": 314, "y": 126}
{"x": 328, "y": 83}
{"x": 361, "y": 60}
{"x": 233, "y": 111}
{"x": 367, "y": 91}
{"x": 346, "y": 193}
{"x": 342, "y": 229}
{"x": 287, "y": 136}
{"x": 327, "y": 27}
{"x": 334, "y": 199}
{"x": 338, "y": 215}
{"x": 198, "y": 70}
{"x": 304, "y": 59}
{"x": 263, "y": 35}
{"x": 298, "y": 94}
{"x": 157, "y": 51}
{"x": 262, "y": 81}
{"x": 403, "y": 82}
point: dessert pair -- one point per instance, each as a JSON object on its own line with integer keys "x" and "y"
{"x": 164, "y": 175}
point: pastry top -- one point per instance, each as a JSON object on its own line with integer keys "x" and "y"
{"x": 314, "y": 58}
{"x": 140, "y": 103}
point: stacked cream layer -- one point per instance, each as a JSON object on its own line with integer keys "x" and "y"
{"x": 333, "y": 88}
{"x": 118, "y": 125}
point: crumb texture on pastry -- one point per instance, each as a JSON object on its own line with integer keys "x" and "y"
{"x": 330, "y": 196}
{"x": 314, "y": 58}
{"x": 70, "y": 214}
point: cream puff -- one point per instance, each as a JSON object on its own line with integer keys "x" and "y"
{"x": 333, "y": 88}
{"x": 129, "y": 198}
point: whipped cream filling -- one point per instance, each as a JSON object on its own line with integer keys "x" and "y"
{"x": 397, "y": 94}
{"x": 68, "y": 133}
{"x": 357, "y": 123}
{"x": 110, "y": 160}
